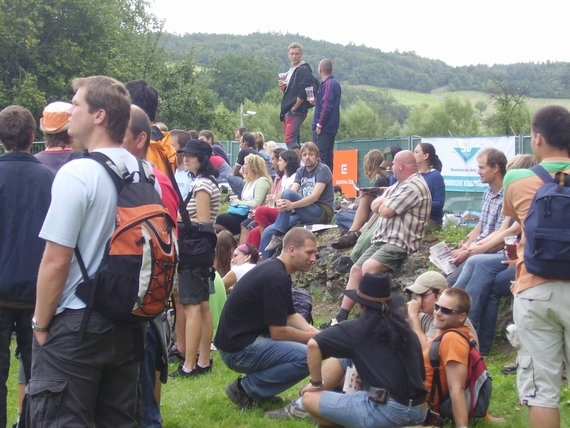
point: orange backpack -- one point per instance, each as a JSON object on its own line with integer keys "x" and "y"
{"x": 134, "y": 280}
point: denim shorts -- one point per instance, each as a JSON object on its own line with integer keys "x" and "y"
{"x": 356, "y": 410}
{"x": 193, "y": 287}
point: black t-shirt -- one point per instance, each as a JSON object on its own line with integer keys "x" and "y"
{"x": 377, "y": 364}
{"x": 262, "y": 297}
{"x": 243, "y": 153}
{"x": 384, "y": 180}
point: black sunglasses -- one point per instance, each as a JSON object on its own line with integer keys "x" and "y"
{"x": 444, "y": 310}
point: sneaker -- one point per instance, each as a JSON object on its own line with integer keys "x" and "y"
{"x": 198, "y": 371}
{"x": 347, "y": 240}
{"x": 290, "y": 411}
{"x": 276, "y": 242}
{"x": 510, "y": 369}
{"x": 237, "y": 394}
{"x": 210, "y": 361}
{"x": 328, "y": 324}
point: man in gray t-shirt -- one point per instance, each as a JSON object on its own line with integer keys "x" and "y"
{"x": 311, "y": 196}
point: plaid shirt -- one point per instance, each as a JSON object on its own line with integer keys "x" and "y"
{"x": 491, "y": 213}
{"x": 411, "y": 201}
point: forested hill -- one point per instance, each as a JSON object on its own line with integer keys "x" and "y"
{"x": 360, "y": 65}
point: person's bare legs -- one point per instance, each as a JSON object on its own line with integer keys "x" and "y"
{"x": 362, "y": 212}
{"x": 243, "y": 234}
{"x": 544, "y": 417}
{"x": 193, "y": 334}
{"x": 207, "y": 333}
{"x": 179, "y": 324}
{"x": 356, "y": 274}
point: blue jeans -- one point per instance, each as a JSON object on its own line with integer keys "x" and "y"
{"x": 271, "y": 366}
{"x": 236, "y": 183}
{"x": 356, "y": 410}
{"x": 18, "y": 320}
{"x": 307, "y": 214}
{"x": 150, "y": 411}
{"x": 501, "y": 288}
{"x": 344, "y": 219}
{"x": 477, "y": 277}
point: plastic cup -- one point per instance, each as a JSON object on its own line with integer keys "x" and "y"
{"x": 310, "y": 93}
{"x": 282, "y": 77}
{"x": 511, "y": 243}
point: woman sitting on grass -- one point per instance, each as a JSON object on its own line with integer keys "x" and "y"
{"x": 244, "y": 259}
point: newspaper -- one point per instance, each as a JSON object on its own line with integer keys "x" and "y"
{"x": 440, "y": 255}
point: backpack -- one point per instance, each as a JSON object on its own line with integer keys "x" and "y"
{"x": 547, "y": 247}
{"x": 478, "y": 386}
{"x": 133, "y": 282}
{"x": 303, "y": 303}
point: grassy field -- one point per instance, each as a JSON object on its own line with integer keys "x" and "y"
{"x": 416, "y": 98}
{"x": 202, "y": 402}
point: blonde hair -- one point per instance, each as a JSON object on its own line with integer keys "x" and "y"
{"x": 269, "y": 147}
{"x": 372, "y": 161}
{"x": 521, "y": 162}
{"x": 257, "y": 167}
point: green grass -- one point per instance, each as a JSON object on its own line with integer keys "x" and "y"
{"x": 202, "y": 402}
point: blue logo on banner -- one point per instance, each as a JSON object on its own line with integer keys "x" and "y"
{"x": 467, "y": 154}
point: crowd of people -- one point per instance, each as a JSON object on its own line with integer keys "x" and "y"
{"x": 93, "y": 371}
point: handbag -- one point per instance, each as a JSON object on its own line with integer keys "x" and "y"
{"x": 196, "y": 240}
{"x": 239, "y": 209}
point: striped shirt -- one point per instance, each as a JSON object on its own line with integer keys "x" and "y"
{"x": 491, "y": 213}
{"x": 411, "y": 201}
{"x": 205, "y": 184}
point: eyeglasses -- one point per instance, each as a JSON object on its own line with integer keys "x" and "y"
{"x": 444, "y": 310}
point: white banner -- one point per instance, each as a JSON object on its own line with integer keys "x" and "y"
{"x": 459, "y": 159}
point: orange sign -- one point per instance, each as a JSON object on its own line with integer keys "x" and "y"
{"x": 346, "y": 171}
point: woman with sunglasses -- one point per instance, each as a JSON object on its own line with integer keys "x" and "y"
{"x": 244, "y": 259}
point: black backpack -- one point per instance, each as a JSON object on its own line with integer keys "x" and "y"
{"x": 547, "y": 246}
{"x": 303, "y": 303}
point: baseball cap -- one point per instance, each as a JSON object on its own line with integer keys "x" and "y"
{"x": 55, "y": 117}
{"x": 389, "y": 154}
{"x": 427, "y": 281}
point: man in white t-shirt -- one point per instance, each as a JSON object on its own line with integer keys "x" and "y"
{"x": 92, "y": 379}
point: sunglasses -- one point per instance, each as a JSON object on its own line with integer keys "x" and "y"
{"x": 444, "y": 310}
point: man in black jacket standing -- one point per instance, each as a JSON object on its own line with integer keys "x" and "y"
{"x": 25, "y": 192}
{"x": 294, "y": 105}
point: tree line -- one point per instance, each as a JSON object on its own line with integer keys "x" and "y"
{"x": 203, "y": 79}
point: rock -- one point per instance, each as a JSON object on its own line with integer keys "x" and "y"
{"x": 329, "y": 274}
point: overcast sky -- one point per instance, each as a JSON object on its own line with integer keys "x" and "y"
{"x": 456, "y": 32}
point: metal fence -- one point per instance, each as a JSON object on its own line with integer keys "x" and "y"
{"x": 455, "y": 201}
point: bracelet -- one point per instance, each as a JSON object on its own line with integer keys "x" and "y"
{"x": 318, "y": 384}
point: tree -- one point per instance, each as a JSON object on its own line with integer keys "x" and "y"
{"x": 511, "y": 115}
{"x": 236, "y": 78}
{"x": 359, "y": 120}
{"x": 450, "y": 117}
{"x": 185, "y": 103}
{"x": 481, "y": 106}
{"x": 45, "y": 44}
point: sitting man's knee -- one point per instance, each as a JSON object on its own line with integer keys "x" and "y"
{"x": 287, "y": 194}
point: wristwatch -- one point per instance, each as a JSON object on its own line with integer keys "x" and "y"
{"x": 317, "y": 384}
{"x": 36, "y": 327}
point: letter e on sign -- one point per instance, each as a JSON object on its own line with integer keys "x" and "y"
{"x": 344, "y": 169}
